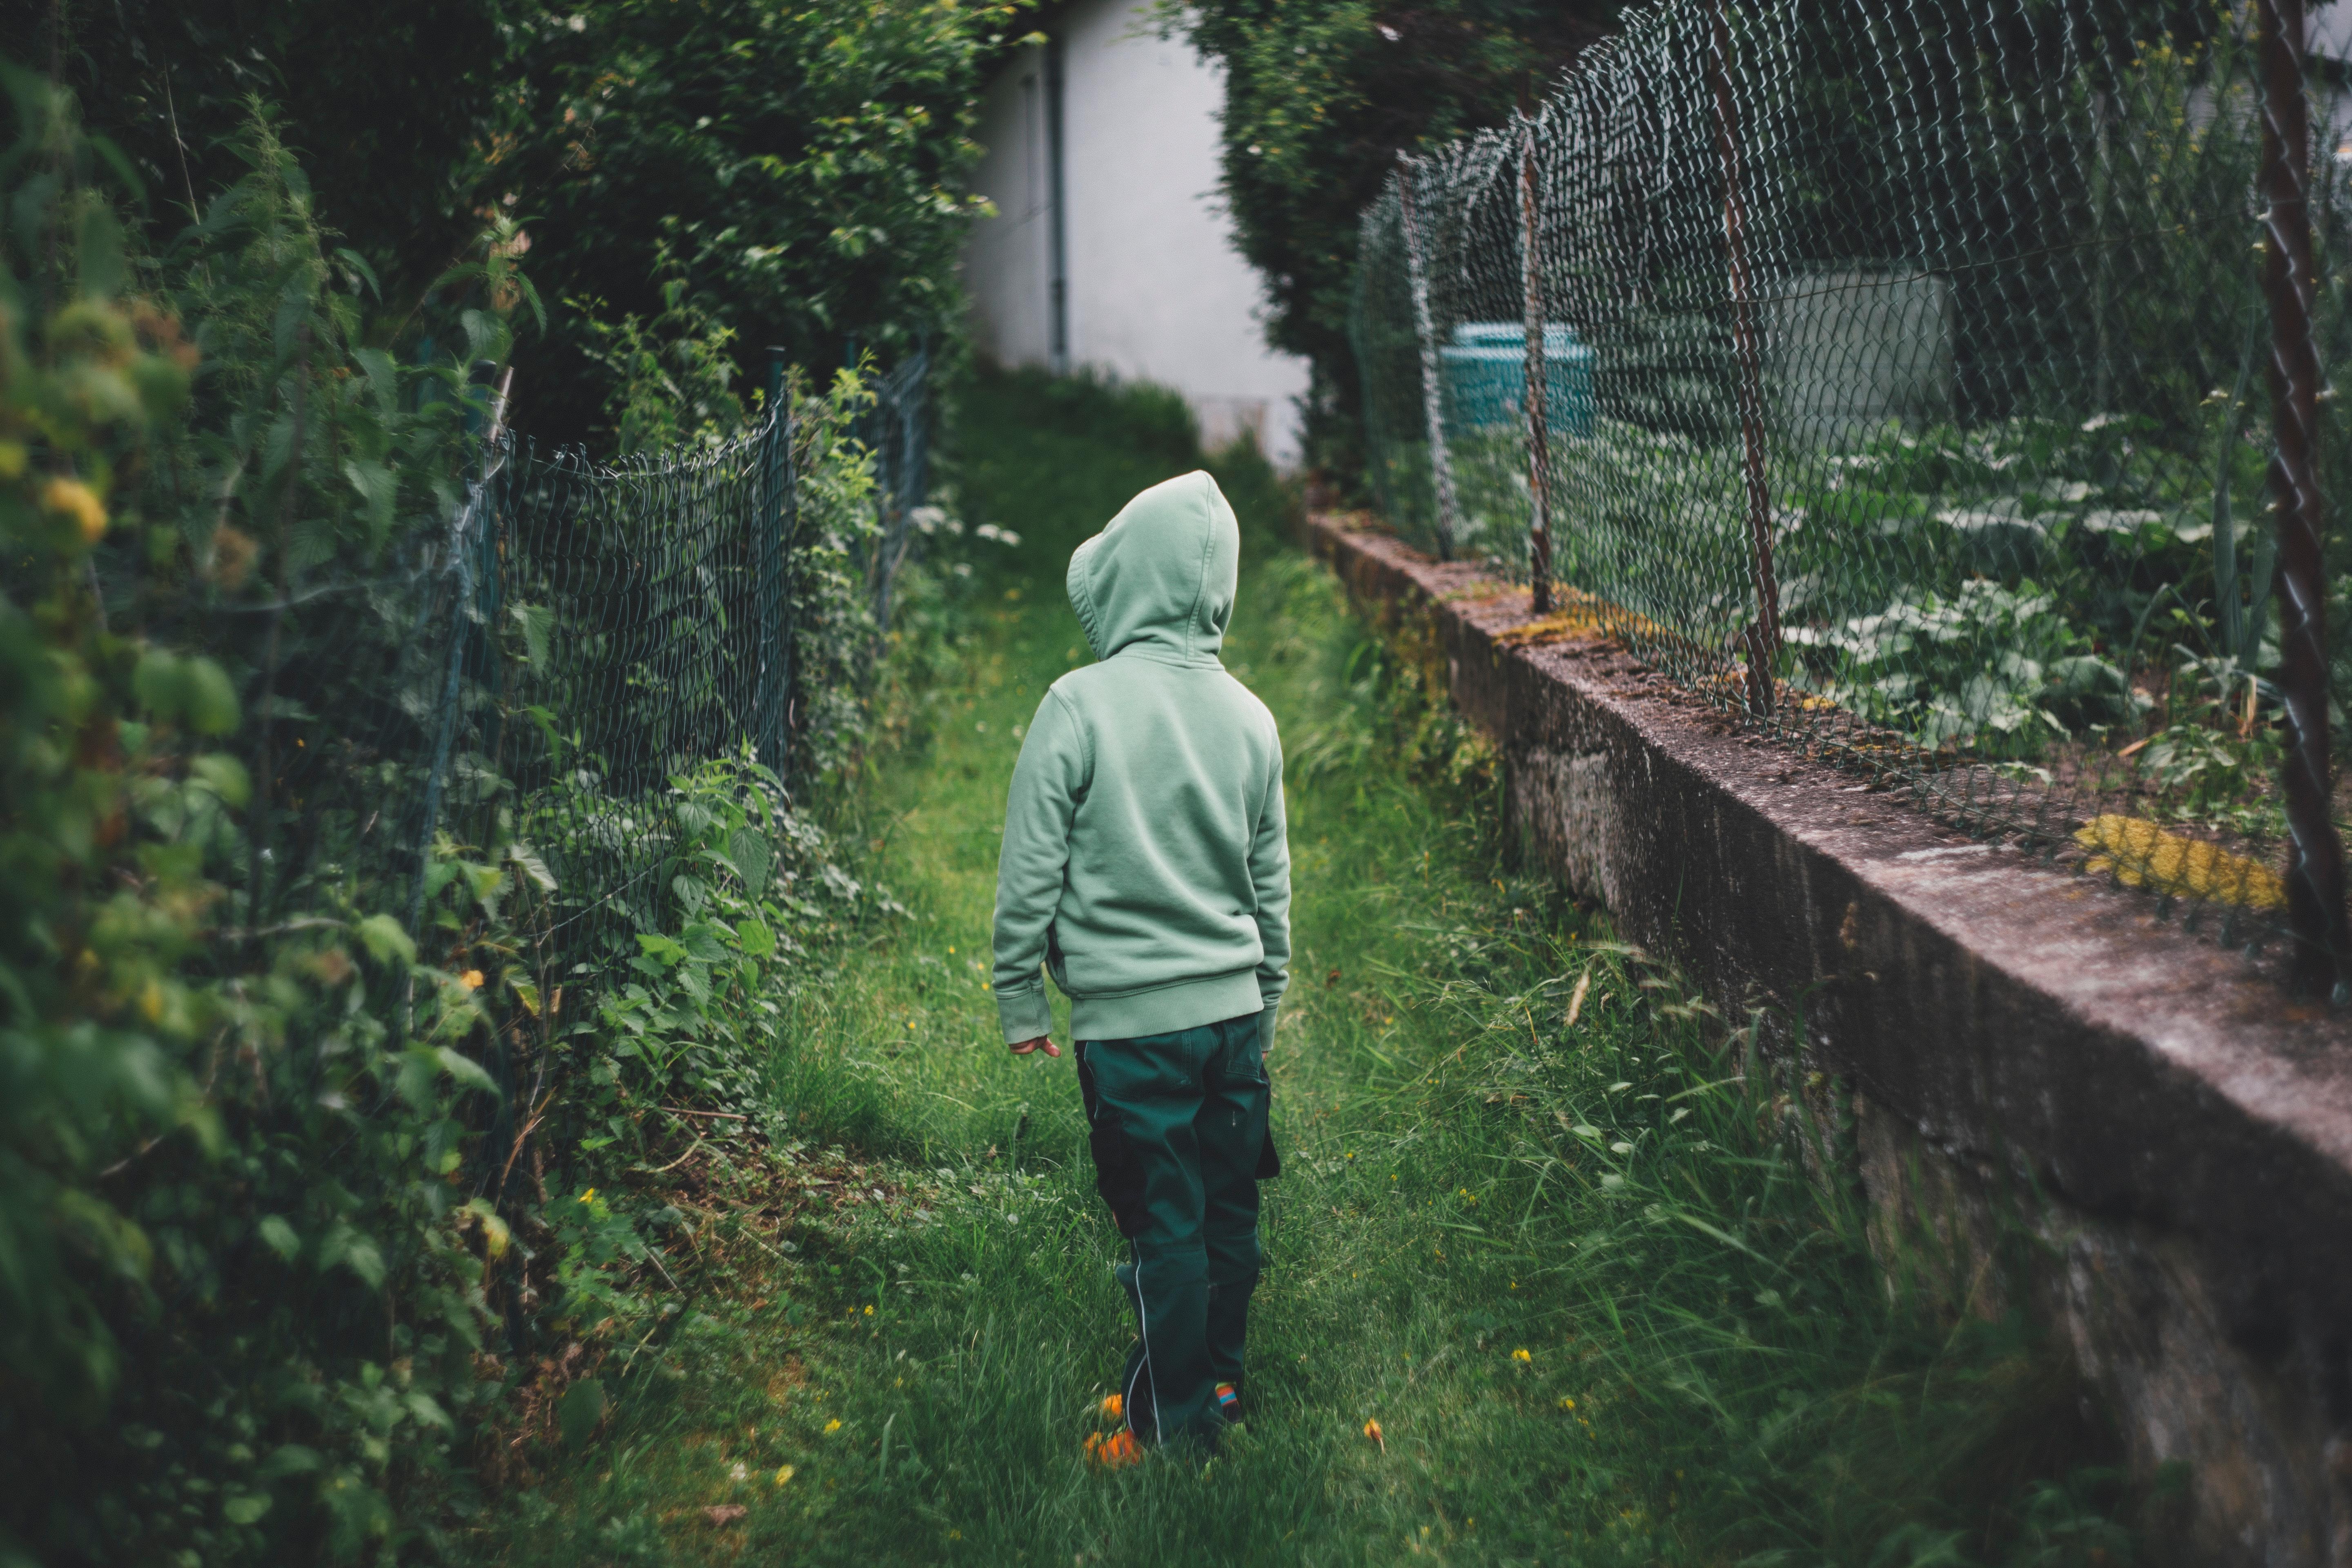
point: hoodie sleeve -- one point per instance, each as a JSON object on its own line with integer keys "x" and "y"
{"x": 1270, "y": 875}
{"x": 1047, "y": 783}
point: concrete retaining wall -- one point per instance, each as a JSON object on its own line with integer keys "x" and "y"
{"x": 2183, "y": 1131}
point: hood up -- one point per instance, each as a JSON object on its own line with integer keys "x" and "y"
{"x": 1162, "y": 576}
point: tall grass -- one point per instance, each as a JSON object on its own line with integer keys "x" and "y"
{"x": 1544, "y": 1219}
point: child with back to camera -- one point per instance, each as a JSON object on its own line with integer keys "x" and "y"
{"x": 1145, "y": 864}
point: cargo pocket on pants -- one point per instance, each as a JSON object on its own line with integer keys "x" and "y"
{"x": 1118, "y": 1172}
{"x": 1270, "y": 1164}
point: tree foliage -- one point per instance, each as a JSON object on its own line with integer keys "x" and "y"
{"x": 805, "y": 168}
{"x": 387, "y": 106}
{"x": 1320, "y": 96}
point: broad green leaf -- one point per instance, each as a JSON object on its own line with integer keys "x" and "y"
{"x": 581, "y": 1412}
{"x": 759, "y": 940}
{"x": 537, "y": 622}
{"x": 347, "y": 1248}
{"x": 495, "y": 1235}
{"x": 427, "y": 1410}
{"x": 525, "y": 856}
{"x": 382, "y": 377}
{"x": 378, "y": 485}
{"x": 748, "y": 847}
{"x": 244, "y": 1508}
{"x": 465, "y": 1069}
{"x": 101, "y": 253}
{"x": 382, "y": 937}
{"x": 290, "y": 1459}
{"x": 280, "y": 1237}
{"x": 224, "y": 776}
{"x": 194, "y": 692}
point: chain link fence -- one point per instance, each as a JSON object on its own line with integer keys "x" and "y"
{"x": 577, "y": 635}
{"x": 898, "y": 430}
{"x": 1939, "y": 388}
{"x": 640, "y": 623}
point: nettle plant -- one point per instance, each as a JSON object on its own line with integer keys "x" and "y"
{"x": 742, "y": 888}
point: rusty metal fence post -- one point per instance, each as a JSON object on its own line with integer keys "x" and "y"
{"x": 1441, "y": 467}
{"x": 1763, "y": 637}
{"x": 1538, "y": 435}
{"x": 2315, "y": 857}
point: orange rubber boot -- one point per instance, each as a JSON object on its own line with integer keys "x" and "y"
{"x": 1115, "y": 1452}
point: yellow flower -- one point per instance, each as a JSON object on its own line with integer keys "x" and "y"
{"x": 1372, "y": 1430}
{"x": 2141, "y": 854}
{"x": 833, "y": 1426}
{"x": 77, "y": 503}
{"x": 1567, "y": 1403}
{"x": 1521, "y": 1356}
{"x": 471, "y": 980}
{"x": 869, "y": 1311}
{"x": 589, "y": 1197}
{"x": 784, "y": 1474}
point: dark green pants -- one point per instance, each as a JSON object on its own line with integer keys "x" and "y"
{"x": 1177, "y": 1123}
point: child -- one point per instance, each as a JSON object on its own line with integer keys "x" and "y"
{"x": 1145, "y": 864}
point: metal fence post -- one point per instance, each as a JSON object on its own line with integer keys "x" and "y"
{"x": 1762, "y": 639}
{"x": 2315, "y": 884}
{"x": 469, "y": 562}
{"x": 1538, "y": 437}
{"x": 1441, "y": 465}
{"x": 771, "y": 722}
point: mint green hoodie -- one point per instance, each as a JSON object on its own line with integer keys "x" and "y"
{"x": 1144, "y": 859}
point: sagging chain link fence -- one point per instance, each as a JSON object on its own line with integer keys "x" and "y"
{"x": 1940, "y": 388}
{"x": 898, "y": 430}
{"x": 582, "y": 634}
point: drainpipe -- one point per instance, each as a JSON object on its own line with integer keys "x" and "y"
{"x": 1057, "y": 258}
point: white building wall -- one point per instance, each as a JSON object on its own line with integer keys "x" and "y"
{"x": 1007, "y": 262}
{"x": 1156, "y": 292}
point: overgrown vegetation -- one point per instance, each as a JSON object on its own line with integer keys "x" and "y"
{"x": 302, "y": 1111}
{"x": 1319, "y": 99}
{"x": 802, "y": 169}
{"x": 2016, "y": 487}
{"x": 805, "y": 170}
{"x": 1546, "y": 1223}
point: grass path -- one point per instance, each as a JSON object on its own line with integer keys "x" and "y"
{"x": 1525, "y": 1225}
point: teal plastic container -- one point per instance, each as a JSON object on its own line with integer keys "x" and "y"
{"x": 1485, "y": 374}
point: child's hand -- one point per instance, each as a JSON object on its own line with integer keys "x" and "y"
{"x": 1043, "y": 1042}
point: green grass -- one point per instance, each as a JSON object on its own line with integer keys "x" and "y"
{"x": 1714, "y": 1370}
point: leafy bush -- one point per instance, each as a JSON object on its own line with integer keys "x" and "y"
{"x": 1982, "y": 587}
{"x": 807, "y": 168}
{"x": 301, "y": 1123}
{"x": 240, "y": 1305}
{"x": 804, "y": 168}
